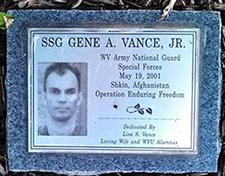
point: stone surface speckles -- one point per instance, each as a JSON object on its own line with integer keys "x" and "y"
{"x": 91, "y": 164}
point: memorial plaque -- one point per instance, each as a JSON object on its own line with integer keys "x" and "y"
{"x": 139, "y": 90}
{"x": 93, "y": 92}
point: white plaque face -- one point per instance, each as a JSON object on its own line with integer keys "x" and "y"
{"x": 137, "y": 91}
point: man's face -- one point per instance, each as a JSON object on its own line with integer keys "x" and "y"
{"x": 61, "y": 95}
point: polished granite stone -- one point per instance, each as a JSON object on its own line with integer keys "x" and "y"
{"x": 91, "y": 164}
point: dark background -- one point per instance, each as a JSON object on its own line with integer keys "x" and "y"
{"x": 186, "y": 5}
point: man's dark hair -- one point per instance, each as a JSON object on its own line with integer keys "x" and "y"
{"x": 61, "y": 69}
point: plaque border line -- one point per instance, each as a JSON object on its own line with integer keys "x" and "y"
{"x": 35, "y": 148}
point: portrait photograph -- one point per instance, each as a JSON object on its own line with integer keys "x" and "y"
{"x": 62, "y": 99}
